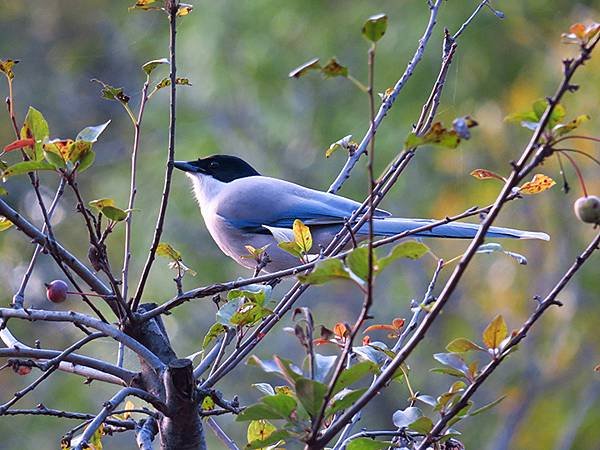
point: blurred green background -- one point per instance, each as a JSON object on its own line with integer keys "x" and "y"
{"x": 237, "y": 55}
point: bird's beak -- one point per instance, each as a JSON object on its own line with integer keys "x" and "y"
{"x": 191, "y": 166}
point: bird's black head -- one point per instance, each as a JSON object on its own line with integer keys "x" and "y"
{"x": 224, "y": 168}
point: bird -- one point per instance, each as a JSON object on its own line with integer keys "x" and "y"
{"x": 243, "y": 208}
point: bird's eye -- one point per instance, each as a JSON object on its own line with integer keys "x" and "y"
{"x": 214, "y": 165}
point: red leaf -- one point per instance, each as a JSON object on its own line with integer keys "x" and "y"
{"x": 19, "y": 143}
{"x": 380, "y": 326}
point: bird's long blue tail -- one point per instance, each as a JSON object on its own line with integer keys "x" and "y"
{"x": 457, "y": 230}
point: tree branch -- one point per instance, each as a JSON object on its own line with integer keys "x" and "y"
{"x": 71, "y": 316}
{"x": 173, "y": 6}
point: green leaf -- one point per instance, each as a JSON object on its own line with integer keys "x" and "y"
{"x": 302, "y": 236}
{"x": 495, "y": 333}
{"x": 151, "y": 65}
{"x": 343, "y": 400}
{"x": 112, "y": 93}
{"x": 291, "y": 247}
{"x": 303, "y": 69}
{"x": 364, "y": 443}
{"x": 257, "y": 293}
{"x": 26, "y": 167}
{"x": 114, "y": 213}
{"x": 258, "y": 411}
{"x": 527, "y": 116}
{"x": 558, "y": 113}
{"x": 346, "y": 143}
{"x": 374, "y": 28}
{"x": 311, "y": 394}
{"x": 91, "y": 134}
{"x": 358, "y": 262}
{"x": 214, "y": 331}
{"x": 107, "y": 207}
{"x": 460, "y": 345}
{"x": 3, "y": 191}
{"x": 452, "y": 360}
{"x": 36, "y": 127}
{"x": 422, "y": 425}
{"x": 5, "y": 224}
{"x": 167, "y": 251}
{"x": 325, "y": 271}
{"x": 403, "y": 418}
{"x": 77, "y": 149}
{"x": 334, "y": 69}
{"x": 407, "y": 249}
{"x": 448, "y": 371}
{"x": 249, "y": 314}
{"x": 282, "y": 404}
{"x": 355, "y": 373}
{"x": 86, "y": 160}
{"x": 486, "y": 407}
{"x": 55, "y": 160}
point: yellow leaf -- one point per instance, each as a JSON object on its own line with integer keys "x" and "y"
{"x": 128, "y": 405}
{"x": 302, "y": 236}
{"x": 5, "y": 224}
{"x": 259, "y": 430}
{"x": 167, "y": 251}
{"x": 184, "y": 9}
{"x": 540, "y": 183}
{"x": 495, "y": 333}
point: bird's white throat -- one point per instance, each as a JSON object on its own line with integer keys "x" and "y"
{"x": 206, "y": 188}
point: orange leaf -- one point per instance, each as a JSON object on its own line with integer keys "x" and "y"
{"x": 366, "y": 340}
{"x": 341, "y": 330}
{"x": 19, "y": 143}
{"x": 578, "y": 29}
{"x": 321, "y": 341}
{"x": 484, "y": 174}
{"x": 380, "y": 326}
{"x": 398, "y": 323}
{"x": 540, "y": 183}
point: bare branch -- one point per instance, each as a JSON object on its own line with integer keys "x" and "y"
{"x": 145, "y": 433}
{"x": 71, "y": 316}
{"x": 49, "y": 367}
{"x": 169, "y": 164}
{"x": 69, "y": 259}
{"x": 214, "y": 426}
{"x": 109, "y": 406}
{"x": 19, "y": 297}
{"x": 41, "y": 410}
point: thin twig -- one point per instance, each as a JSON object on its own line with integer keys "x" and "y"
{"x": 389, "y": 101}
{"x": 48, "y": 367}
{"x": 19, "y": 297}
{"x": 169, "y": 164}
{"x": 214, "y": 426}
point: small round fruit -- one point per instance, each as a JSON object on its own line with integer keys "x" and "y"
{"x": 57, "y": 291}
{"x": 587, "y": 209}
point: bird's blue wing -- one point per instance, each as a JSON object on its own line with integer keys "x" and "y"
{"x": 251, "y": 202}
